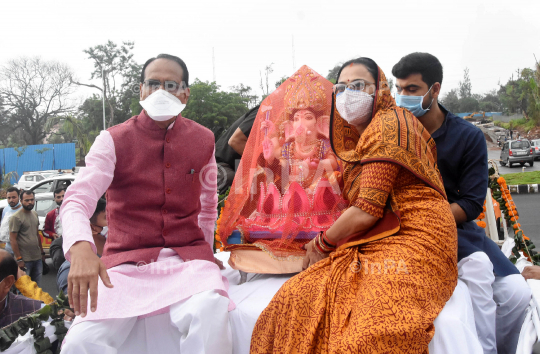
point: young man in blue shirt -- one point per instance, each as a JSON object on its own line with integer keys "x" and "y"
{"x": 499, "y": 294}
{"x": 12, "y": 196}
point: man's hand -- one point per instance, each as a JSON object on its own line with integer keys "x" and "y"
{"x": 20, "y": 264}
{"x": 531, "y": 272}
{"x": 20, "y": 273}
{"x": 312, "y": 255}
{"x": 85, "y": 269}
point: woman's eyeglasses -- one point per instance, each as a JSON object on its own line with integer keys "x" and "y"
{"x": 357, "y": 85}
{"x": 169, "y": 86}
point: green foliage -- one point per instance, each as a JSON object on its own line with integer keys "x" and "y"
{"x": 522, "y": 178}
{"x": 522, "y": 244}
{"x": 119, "y": 74}
{"x": 280, "y": 81}
{"x": 332, "y": 73}
{"x": 213, "y": 108}
{"x": 33, "y": 322}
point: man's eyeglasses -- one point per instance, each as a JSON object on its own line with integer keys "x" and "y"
{"x": 357, "y": 85}
{"x": 169, "y": 86}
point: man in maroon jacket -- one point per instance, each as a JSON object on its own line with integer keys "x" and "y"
{"x": 53, "y": 227}
{"x": 159, "y": 172}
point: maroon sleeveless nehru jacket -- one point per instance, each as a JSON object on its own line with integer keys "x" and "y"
{"x": 153, "y": 201}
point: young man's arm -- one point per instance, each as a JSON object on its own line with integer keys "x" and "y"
{"x": 48, "y": 230}
{"x": 15, "y": 248}
{"x": 39, "y": 238}
{"x": 473, "y": 180}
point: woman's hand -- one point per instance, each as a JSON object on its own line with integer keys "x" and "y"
{"x": 312, "y": 255}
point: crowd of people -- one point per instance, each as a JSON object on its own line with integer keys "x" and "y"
{"x": 147, "y": 251}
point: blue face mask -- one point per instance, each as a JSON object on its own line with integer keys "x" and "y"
{"x": 413, "y": 103}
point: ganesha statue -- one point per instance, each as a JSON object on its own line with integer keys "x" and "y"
{"x": 288, "y": 185}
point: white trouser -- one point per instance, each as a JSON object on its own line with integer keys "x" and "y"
{"x": 199, "y": 324}
{"x": 512, "y": 295}
{"x": 455, "y": 330}
{"x": 499, "y": 303}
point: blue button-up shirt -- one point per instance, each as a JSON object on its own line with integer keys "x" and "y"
{"x": 463, "y": 162}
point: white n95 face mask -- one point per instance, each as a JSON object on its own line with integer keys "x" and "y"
{"x": 162, "y": 106}
{"x": 354, "y": 106}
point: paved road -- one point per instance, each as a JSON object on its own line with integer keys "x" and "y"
{"x": 528, "y": 207}
{"x": 496, "y": 154}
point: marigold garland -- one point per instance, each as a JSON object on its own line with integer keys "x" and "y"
{"x": 501, "y": 194}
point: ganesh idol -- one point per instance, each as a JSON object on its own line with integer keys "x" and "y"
{"x": 288, "y": 184}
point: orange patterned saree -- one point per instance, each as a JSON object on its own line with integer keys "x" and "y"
{"x": 381, "y": 295}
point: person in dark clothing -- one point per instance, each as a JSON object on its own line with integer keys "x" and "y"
{"x": 12, "y": 307}
{"x": 497, "y": 289}
{"x": 230, "y": 147}
{"x": 98, "y": 224}
{"x": 57, "y": 253}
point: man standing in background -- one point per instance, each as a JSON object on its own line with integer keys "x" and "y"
{"x": 53, "y": 226}
{"x": 230, "y": 148}
{"x": 25, "y": 240}
{"x": 12, "y": 197}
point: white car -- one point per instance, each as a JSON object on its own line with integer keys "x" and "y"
{"x": 29, "y": 180}
{"x": 44, "y": 191}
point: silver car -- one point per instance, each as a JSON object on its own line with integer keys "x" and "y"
{"x": 517, "y": 151}
{"x": 535, "y": 144}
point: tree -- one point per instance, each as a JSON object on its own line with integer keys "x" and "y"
{"x": 468, "y": 104}
{"x": 75, "y": 130}
{"x": 5, "y": 128}
{"x": 249, "y": 98}
{"x": 451, "y": 101}
{"x": 213, "y": 108}
{"x": 332, "y": 73}
{"x": 465, "y": 86}
{"x": 265, "y": 84}
{"x": 490, "y": 102}
{"x": 115, "y": 67}
{"x": 32, "y": 91}
{"x": 42, "y": 152}
{"x": 280, "y": 81}
{"x": 20, "y": 151}
{"x": 390, "y": 83}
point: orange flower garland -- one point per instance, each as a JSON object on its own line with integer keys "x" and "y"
{"x": 501, "y": 193}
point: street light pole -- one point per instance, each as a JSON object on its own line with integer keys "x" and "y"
{"x": 103, "y": 77}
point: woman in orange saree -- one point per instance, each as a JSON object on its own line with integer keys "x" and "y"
{"x": 381, "y": 289}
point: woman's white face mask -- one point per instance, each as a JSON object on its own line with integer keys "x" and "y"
{"x": 355, "y": 106}
{"x": 162, "y": 105}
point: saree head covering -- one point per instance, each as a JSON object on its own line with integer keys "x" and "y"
{"x": 377, "y": 295}
{"x": 288, "y": 185}
{"x": 406, "y": 143}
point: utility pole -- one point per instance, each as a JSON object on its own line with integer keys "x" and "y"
{"x": 103, "y": 77}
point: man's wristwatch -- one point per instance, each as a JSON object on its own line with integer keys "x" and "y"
{"x": 42, "y": 253}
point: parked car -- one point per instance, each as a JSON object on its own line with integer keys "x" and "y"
{"x": 517, "y": 151}
{"x": 535, "y": 144}
{"x": 29, "y": 180}
{"x": 44, "y": 190}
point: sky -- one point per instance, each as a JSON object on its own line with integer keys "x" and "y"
{"x": 492, "y": 38}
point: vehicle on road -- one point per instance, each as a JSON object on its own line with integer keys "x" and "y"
{"x": 44, "y": 190}
{"x": 29, "y": 180}
{"x": 517, "y": 151}
{"x": 535, "y": 144}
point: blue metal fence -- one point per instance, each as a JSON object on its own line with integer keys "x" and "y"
{"x": 37, "y": 158}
